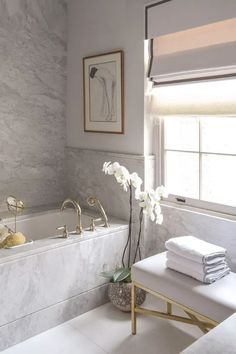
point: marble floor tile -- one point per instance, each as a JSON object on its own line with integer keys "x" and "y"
{"x": 110, "y": 329}
{"x": 107, "y": 330}
{"x": 63, "y": 339}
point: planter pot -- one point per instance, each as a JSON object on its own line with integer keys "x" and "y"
{"x": 120, "y": 296}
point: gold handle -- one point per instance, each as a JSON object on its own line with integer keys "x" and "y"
{"x": 65, "y": 233}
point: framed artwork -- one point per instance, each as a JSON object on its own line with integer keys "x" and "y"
{"x": 104, "y": 93}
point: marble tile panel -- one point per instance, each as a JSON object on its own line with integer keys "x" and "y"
{"x": 40, "y": 321}
{"x": 43, "y": 279}
{"x": 179, "y": 222}
{"x": 32, "y": 100}
{"x": 85, "y": 177}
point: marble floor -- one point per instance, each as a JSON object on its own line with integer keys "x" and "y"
{"x": 107, "y": 330}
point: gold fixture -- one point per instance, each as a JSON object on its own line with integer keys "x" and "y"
{"x": 195, "y": 318}
{"x": 92, "y": 226}
{"x": 14, "y": 206}
{"x": 77, "y": 208}
{"x": 65, "y": 233}
{"x": 93, "y": 201}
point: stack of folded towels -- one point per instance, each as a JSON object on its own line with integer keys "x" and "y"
{"x": 199, "y": 259}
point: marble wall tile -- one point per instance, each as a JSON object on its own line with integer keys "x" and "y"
{"x": 85, "y": 177}
{"x": 40, "y": 321}
{"x": 179, "y": 222}
{"x": 32, "y": 100}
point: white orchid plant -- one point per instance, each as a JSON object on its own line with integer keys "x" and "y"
{"x": 149, "y": 202}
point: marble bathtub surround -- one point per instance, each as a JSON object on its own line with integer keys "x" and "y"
{"x": 71, "y": 265}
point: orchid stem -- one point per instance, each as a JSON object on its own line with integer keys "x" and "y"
{"x": 138, "y": 250}
{"x": 128, "y": 243}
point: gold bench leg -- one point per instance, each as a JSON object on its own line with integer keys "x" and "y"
{"x": 169, "y": 308}
{"x": 133, "y": 306}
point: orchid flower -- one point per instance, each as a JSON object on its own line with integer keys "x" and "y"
{"x": 162, "y": 192}
{"x": 135, "y": 180}
{"x": 149, "y": 201}
{"x": 121, "y": 173}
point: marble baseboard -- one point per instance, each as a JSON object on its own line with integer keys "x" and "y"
{"x": 40, "y": 321}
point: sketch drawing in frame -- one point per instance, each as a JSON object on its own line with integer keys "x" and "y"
{"x": 104, "y": 93}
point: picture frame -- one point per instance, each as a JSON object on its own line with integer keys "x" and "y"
{"x": 103, "y": 81}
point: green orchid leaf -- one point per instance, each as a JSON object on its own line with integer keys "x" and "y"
{"x": 108, "y": 274}
{"x": 121, "y": 274}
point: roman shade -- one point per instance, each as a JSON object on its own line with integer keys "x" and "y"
{"x": 192, "y": 40}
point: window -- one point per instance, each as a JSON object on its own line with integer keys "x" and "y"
{"x": 199, "y": 159}
{"x": 198, "y": 153}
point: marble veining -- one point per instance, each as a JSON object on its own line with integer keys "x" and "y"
{"x": 49, "y": 317}
{"x": 32, "y": 100}
{"x": 179, "y": 222}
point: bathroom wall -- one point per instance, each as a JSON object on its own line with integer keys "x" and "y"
{"x": 32, "y": 100}
{"x": 99, "y": 27}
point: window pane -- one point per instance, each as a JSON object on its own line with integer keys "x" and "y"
{"x": 181, "y": 133}
{"x": 218, "y": 179}
{"x": 181, "y": 173}
{"x": 218, "y": 135}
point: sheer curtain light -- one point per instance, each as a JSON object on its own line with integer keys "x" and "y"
{"x": 215, "y": 98}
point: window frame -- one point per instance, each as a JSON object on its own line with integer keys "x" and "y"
{"x": 182, "y": 200}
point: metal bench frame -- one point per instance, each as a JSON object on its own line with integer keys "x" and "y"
{"x": 194, "y": 318}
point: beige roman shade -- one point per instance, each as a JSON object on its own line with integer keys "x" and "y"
{"x": 192, "y": 40}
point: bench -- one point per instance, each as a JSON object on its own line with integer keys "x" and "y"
{"x": 205, "y": 305}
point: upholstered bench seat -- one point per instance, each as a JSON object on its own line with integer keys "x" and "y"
{"x": 216, "y": 301}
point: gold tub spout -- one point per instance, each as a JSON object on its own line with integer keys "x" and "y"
{"x": 77, "y": 208}
{"x": 93, "y": 201}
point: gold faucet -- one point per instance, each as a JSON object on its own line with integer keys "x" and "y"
{"x": 76, "y": 205}
{"x": 93, "y": 201}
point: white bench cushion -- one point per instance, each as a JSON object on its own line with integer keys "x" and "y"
{"x": 216, "y": 301}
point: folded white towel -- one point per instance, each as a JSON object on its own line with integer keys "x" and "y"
{"x": 204, "y": 278}
{"x": 195, "y": 249}
{"x": 193, "y": 266}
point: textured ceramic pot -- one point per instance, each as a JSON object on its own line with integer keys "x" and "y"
{"x": 120, "y": 296}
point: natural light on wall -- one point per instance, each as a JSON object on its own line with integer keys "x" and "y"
{"x": 198, "y": 149}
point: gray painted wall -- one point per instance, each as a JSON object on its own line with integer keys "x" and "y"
{"x": 99, "y": 27}
{"x": 32, "y": 100}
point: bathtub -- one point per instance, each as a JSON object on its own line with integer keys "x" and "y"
{"x": 43, "y": 225}
{"x": 54, "y": 279}
{"x": 41, "y": 228}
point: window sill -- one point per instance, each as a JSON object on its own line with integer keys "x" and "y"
{"x": 200, "y": 211}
